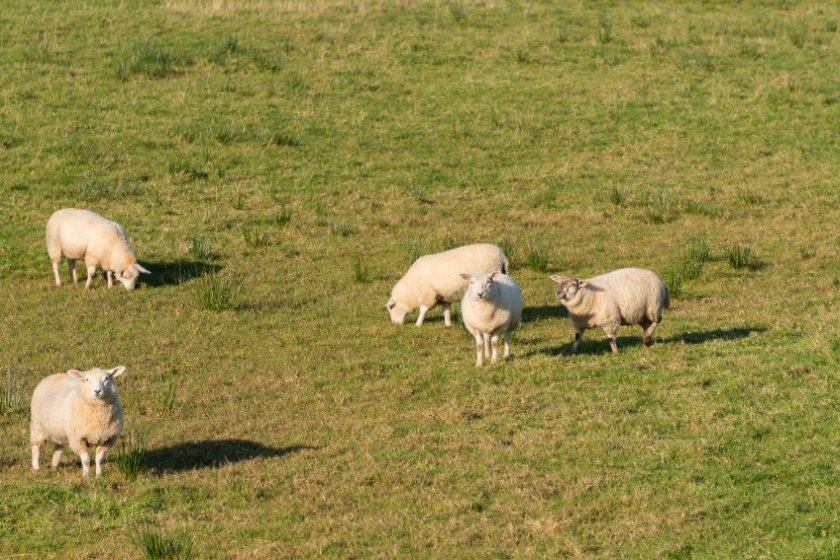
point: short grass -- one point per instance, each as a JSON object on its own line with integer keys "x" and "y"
{"x": 353, "y": 136}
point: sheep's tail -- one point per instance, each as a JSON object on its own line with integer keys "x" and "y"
{"x": 505, "y": 265}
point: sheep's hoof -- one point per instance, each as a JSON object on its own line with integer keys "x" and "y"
{"x": 647, "y": 341}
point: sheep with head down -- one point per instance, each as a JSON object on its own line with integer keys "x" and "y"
{"x": 82, "y": 234}
{"x": 436, "y": 278}
{"x": 628, "y": 296}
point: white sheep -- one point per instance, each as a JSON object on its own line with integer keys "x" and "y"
{"x": 80, "y": 409}
{"x": 436, "y": 278}
{"x": 82, "y": 234}
{"x": 628, "y": 296}
{"x": 492, "y": 307}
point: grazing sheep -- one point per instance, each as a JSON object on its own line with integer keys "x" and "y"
{"x": 436, "y": 278}
{"x": 82, "y": 234}
{"x": 80, "y": 409}
{"x": 629, "y": 296}
{"x": 492, "y": 307}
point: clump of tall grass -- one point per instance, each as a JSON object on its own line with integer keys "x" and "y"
{"x": 659, "y": 209}
{"x": 360, "y": 272}
{"x": 674, "y": 280}
{"x": 146, "y": 58}
{"x": 221, "y": 50}
{"x": 340, "y": 228}
{"x": 218, "y": 291}
{"x": 130, "y": 453}
{"x": 618, "y": 197}
{"x": 739, "y": 256}
{"x": 283, "y": 217}
{"x": 536, "y": 257}
{"x": 200, "y": 248}
{"x": 255, "y": 237}
{"x": 155, "y": 545}
{"x": 166, "y": 396}
{"x": 414, "y": 250}
{"x": 11, "y": 398}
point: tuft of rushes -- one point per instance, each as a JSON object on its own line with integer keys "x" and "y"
{"x": 11, "y": 399}
{"x": 156, "y": 545}
{"x": 218, "y": 291}
{"x": 739, "y": 256}
{"x": 360, "y": 272}
{"x": 130, "y": 454}
{"x": 536, "y": 257}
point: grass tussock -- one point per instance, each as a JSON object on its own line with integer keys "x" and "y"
{"x": 12, "y": 393}
{"x": 218, "y": 291}
{"x": 130, "y": 453}
{"x": 148, "y": 59}
{"x": 739, "y": 256}
{"x": 155, "y": 544}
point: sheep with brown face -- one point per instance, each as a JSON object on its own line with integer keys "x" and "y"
{"x": 628, "y": 296}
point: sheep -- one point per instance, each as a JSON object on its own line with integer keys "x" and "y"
{"x": 492, "y": 307}
{"x": 82, "y": 234}
{"x": 628, "y": 296}
{"x": 79, "y": 408}
{"x": 435, "y": 278}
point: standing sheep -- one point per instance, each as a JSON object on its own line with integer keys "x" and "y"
{"x": 436, "y": 278}
{"x": 79, "y": 408}
{"x": 629, "y": 296}
{"x": 492, "y": 307}
{"x": 82, "y": 234}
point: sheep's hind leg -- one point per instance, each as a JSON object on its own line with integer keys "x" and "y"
{"x": 494, "y": 356}
{"x": 423, "y": 310}
{"x": 508, "y": 336}
{"x": 91, "y": 270}
{"x": 610, "y": 332}
{"x": 71, "y": 264}
{"x": 447, "y": 314}
{"x": 84, "y": 454}
{"x": 647, "y": 338}
{"x": 56, "y": 458}
{"x": 110, "y": 277}
{"x": 479, "y": 350}
{"x": 36, "y": 456}
{"x": 55, "y": 266}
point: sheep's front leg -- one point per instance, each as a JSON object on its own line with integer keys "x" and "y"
{"x": 71, "y": 265}
{"x": 109, "y": 275}
{"x": 494, "y": 355}
{"x": 55, "y": 265}
{"x": 647, "y": 338}
{"x": 487, "y": 353}
{"x": 423, "y": 310}
{"x": 85, "y": 456}
{"x": 479, "y": 350}
{"x": 36, "y": 456}
{"x": 508, "y": 336}
{"x": 447, "y": 314}
{"x": 56, "y": 458}
{"x": 91, "y": 269}
{"x": 576, "y": 343}
{"x": 100, "y": 455}
{"x": 610, "y": 332}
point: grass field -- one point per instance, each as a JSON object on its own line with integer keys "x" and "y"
{"x": 277, "y": 165}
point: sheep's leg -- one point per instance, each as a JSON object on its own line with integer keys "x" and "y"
{"x": 71, "y": 264}
{"x": 479, "y": 350}
{"x": 610, "y": 332}
{"x": 100, "y": 455}
{"x": 494, "y": 356}
{"x": 91, "y": 270}
{"x": 56, "y": 458}
{"x": 508, "y": 336}
{"x": 36, "y": 456}
{"x": 110, "y": 277}
{"x": 55, "y": 265}
{"x": 647, "y": 338}
{"x": 422, "y": 315}
{"x": 576, "y": 343}
{"x": 447, "y": 314}
{"x": 85, "y": 456}
{"x": 487, "y": 353}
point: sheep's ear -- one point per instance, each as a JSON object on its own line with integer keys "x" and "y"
{"x": 465, "y": 276}
{"x": 139, "y": 268}
{"x": 493, "y": 274}
{"x": 117, "y": 371}
{"x": 581, "y": 283}
{"x": 75, "y": 373}
{"x": 557, "y": 279}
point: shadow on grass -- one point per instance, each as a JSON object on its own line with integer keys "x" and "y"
{"x": 210, "y": 454}
{"x": 176, "y": 272}
{"x": 541, "y": 312}
{"x": 598, "y": 344}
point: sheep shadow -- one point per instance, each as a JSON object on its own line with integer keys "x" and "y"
{"x": 598, "y": 344}
{"x": 542, "y": 312}
{"x": 210, "y": 454}
{"x": 175, "y": 273}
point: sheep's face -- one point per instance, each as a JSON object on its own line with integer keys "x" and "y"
{"x": 481, "y": 285}
{"x": 396, "y": 311}
{"x": 97, "y": 383}
{"x": 567, "y": 287}
{"x": 128, "y": 277}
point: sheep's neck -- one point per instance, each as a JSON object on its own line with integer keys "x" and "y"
{"x": 582, "y": 301}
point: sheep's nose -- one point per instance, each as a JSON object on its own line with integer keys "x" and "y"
{"x": 97, "y": 391}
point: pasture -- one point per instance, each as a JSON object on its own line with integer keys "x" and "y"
{"x": 278, "y": 164}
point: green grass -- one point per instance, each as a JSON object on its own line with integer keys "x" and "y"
{"x": 306, "y": 424}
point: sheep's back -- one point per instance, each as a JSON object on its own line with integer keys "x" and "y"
{"x": 49, "y": 401}
{"x": 80, "y": 231}
{"x": 638, "y": 293}
{"x": 442, "y": 271}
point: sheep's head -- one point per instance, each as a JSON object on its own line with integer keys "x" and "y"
{"x": 481, "y": 286}
{"x": 128, "y": 276}
{"x": 567, "y": 287}
{"x": 97, "y": 383}
{"x": 396, "y": 311}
